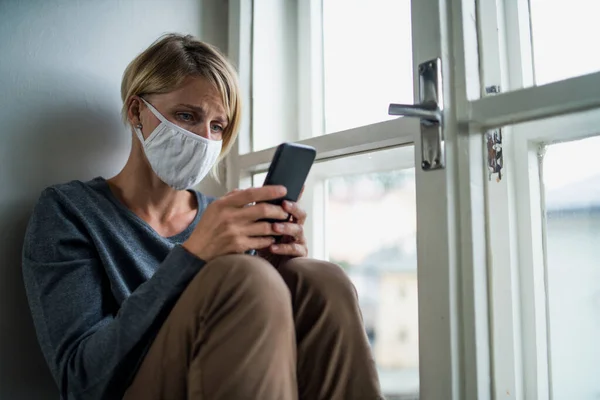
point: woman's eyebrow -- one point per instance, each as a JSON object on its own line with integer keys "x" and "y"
{"x": 202, "y": 111}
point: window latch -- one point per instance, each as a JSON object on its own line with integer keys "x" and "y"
{"x": 429, "y": 111}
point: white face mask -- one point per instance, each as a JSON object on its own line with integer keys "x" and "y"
{"x": 180, "y": 158}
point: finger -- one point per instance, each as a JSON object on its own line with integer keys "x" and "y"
{"x": 258, "y": 229}
{"x": 232, "y": 192}
{"x": 255, "y": 195}
{"x": 290, "y": 249}
{"x": 296, "y": 211}
{"x": 290, "y": 229}
{"x": 257, "y": 243}
{"x": 289, "y": 239}
{"x": 262, "y": 211}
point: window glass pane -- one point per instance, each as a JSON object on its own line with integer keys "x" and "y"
{"x": 572, "y": 195}
{"x": 370, "y": 224}
{"x": 367, "y": 55}
{"x": 274, "y": 74}
{"x": 362, "y": 216}
{"x": 564, "y": 36}
{"x": 258, "y": 179}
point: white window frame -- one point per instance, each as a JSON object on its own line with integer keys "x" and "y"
{"x": 454, "y": 354}
{"x": 495, "y": 282}
{"x": 441, "y": 343}
{"x": 311, "y": 118}
{"x": 532, "y": 117}
{"x": 243, "y": 162}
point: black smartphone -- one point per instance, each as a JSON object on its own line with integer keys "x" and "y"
{"x": 290, "y": 167}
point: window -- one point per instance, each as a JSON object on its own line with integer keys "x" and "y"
{"x": 536, "y": 343}
{"x": 357, "y": 194}
{"x": 402, "y": 292}
{"x": 403, "y": 335}
{"x": 324, "y": 66}
{"x": 536, "y": 42}
{"x": 371, "y": 232}
{"x": 367, "y": 61}
{"x": 571, "y": 177}
{"x": 274, "y": 74}
{"x": 487, "y": 282}
{"x": 563, "y": 34}
{"x": 348, "y": 199}
{"x": 543, "y": 241}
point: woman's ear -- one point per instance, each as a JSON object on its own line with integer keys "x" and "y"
{"x": 134, "y": 105}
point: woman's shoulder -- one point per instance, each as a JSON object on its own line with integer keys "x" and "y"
{"x": 77, "y": 187}
{"x": 74, "y": 193}
{"x": 58, "y": 217}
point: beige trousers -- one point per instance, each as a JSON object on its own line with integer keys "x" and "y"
{"x": 245, "y": 330}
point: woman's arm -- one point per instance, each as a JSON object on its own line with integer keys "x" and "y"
{"x": 92, "y": 346}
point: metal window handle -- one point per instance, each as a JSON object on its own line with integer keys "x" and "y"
{"x": 430, "y": 113}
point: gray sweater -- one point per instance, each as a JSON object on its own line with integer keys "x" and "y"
{"x": 100, "y": 283}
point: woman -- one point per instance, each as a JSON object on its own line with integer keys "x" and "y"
{"x": 142, "y": 289}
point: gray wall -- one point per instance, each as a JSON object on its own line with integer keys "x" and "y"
{"x": 61, "y": 63}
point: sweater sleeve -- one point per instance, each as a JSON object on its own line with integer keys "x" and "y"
{"x": 92, "y": 346}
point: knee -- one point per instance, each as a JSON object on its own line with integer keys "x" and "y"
{"x": 248, "y": 281}
{"x": 323, "y": 279}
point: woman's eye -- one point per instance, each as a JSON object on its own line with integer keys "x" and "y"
{"x": 216, "y": 128}
{"x": 185, "y": 117}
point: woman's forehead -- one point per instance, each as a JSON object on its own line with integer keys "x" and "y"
{"x": 198, "y": 92}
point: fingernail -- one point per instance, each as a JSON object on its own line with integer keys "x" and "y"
{"x": 278, "y": 227}
{"x": 274, "y": 247}
{"x": 288, "y": 203}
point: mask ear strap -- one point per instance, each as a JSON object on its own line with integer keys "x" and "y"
{"x": 155, "y": 111}
{"x": 138, "y": 133}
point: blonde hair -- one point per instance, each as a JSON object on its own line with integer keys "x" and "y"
{"x": 163, "y": 66}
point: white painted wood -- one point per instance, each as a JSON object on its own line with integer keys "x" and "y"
{"x": 532, "y": 277}
{"x": 516, "y": 23}
{"x": 504, "y": 279}
{"x": 314, "y": 201}
{"x": 396, "y": 158}
{"x": 527, "y": 214}
{"x": 514, "y": 218}
{"x": 363, "y": 139}
{"x": 240, "y": 53}
{"x": 515, "y": 225}
{"x": 275, "y": 71}
{"x": 311, "y": 120}
{"x": 440, "y": 311}
{"x": 572, "y": 95}
{"x": 473, "y": 274}
{"x": 502, "y": 252}
{"x": 450, "y": 235}
{"x": 529, "y": 138}
{"x": 561, "y": 128}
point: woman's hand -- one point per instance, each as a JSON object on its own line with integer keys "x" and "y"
{"x": 230, "y": 225}
{"x": 293, "y": 243}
